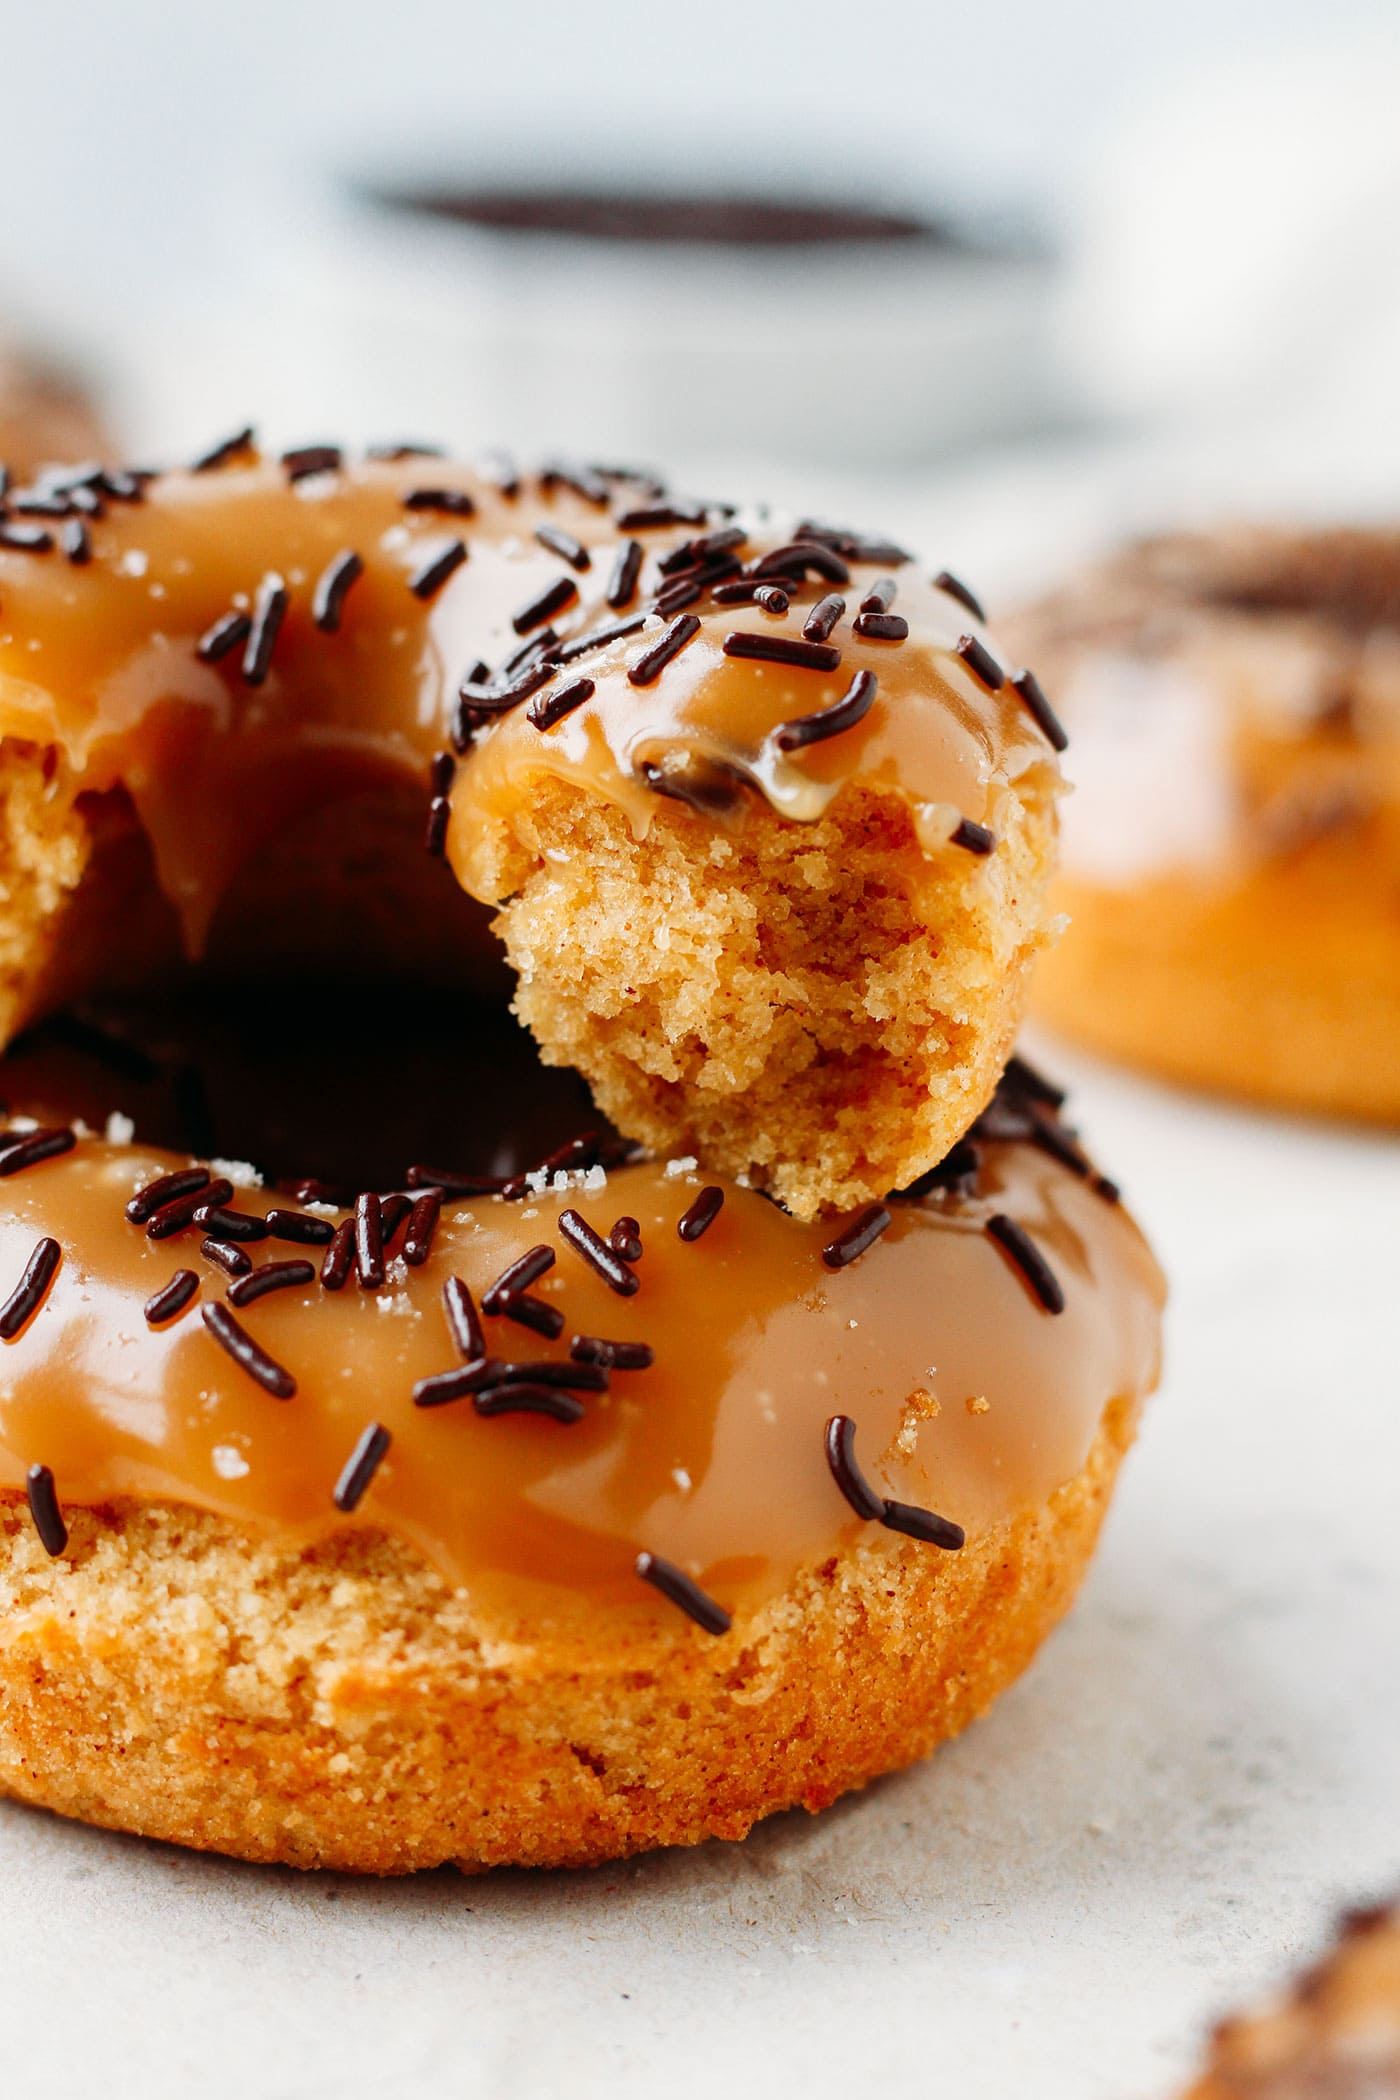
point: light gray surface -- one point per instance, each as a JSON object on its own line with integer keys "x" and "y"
{"x": 1155, "y": 1822}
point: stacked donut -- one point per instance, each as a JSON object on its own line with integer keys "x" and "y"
{"x": 738, "y": 1449}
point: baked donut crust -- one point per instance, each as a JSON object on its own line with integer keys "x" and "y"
{"x": 342, "y": 1706}
{"x": 1231, "y": 870}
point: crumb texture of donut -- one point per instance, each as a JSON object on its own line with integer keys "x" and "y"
{"x": 1336, "y": 2036}
{"x": 822, "y": 1008}
{"x": 341, "y": 1706}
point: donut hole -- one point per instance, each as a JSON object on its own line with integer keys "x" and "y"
{"x": 347, "y": 1016}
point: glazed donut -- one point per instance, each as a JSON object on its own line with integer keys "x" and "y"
{"x": 43, "y": 416}
{"x": 765, "y": 821}
{"x": 1335, "y": 2036}
{"x": 601, "y": 1508}
{"x": 1232, "y": 854}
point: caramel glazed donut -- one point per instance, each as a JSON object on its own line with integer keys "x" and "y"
{"x": 1232, "y": 853}
{"x": 614, "y": 1503}
{"x": 1334, "y": 2036}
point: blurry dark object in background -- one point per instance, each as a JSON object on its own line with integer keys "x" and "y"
{"x": 806, "y": 314}
{"x": 722, "y": 220}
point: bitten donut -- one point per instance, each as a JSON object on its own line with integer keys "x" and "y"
{"x": 765, "y": 819}
{"x": 537, "y": 1520}
{"x": 1335, "y": 2036}
{"x": 1232, "y": 856}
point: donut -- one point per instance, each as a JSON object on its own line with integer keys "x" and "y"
{"x": 538, "y": 1518}
{"x": 1231, "y": 868}
{"x": 532, "y": 1499}
{"x": 1335, "y": 2036}
{"x": 44, "y": 416}
{"x": 763, "y": 821}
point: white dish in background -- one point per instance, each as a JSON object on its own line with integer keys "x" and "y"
{"x": 877, "y": 351}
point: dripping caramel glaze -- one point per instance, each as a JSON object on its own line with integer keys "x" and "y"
{"x": 99, "y": 663}
{"x": 968, "y": 1397}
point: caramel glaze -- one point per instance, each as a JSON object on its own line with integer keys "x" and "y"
{"x": 99, "y": 663}
{"x": 968, "y": 1396}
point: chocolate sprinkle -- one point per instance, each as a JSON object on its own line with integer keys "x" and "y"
{"x": 584, "y": 644}
{"x": 28, "y": 1294}
{"x": 946, "y": 581}
{"x": 976, "y": 838}
{"x": 227, "y": 449}
{"x": 547, "y": 1370}
{"x": 451, "y": 503}
{"x": 1026, "y": 1079}
{"x": 529, "y": 1400}
{"x": 300, "y": 1227}
{"x": 307, "y": 460}
{"x": 626, "y": 1239}
{"x": 614, "y": 1356}
{"x": 20, "y": 1149}
{"x": 622, "y": 584}
{"x": 361, "y": 1466}
{"x": 148, "y": 1200}
{"x": 422, "y": 1224}
{"x": 881, "y": 627}
{"x": 220, "y": 1223}
{"x": 76, "y": 542}
{"x": 224, "y": 1255}
{"x": 839, "y": 1445}
{"x": 530, "y": 1312}
{"x": 853, "y": 706}
{"x": 823, "y": 618}
{"x": 600, "y": 1257}
{"x": 782, "y": 649}
{"x": 771, "y": 599}
{"x": 176, "y": 1215}
{"x": 369, "y": 1242}
{"x": 679, "y": 1589}
{"x": 249, "y": 1355}
{"x": 271, "y": 1276}
{"x": 653, "y": 661}
{"x": 980, "y": 661}
{"x": 701, "y": 1214}
{"x": 452, "y": 1183}
{"x": 880, "y": 597}
{"x": 333, "y": 587}
{"x": 171, "y": 1298}
{"x": 269, "y": 611}
{"x": 545, "y": 603}
{"x": 1042, "y": 713}
{"x": 25, "y": 539}
{"x": 335, "y": 1266}
{"x": 1022, "y": 1251}
{"x": 224, "y": 636}
{"x": 44, "y": 1509}
{"x": 924, "y": 1524}
{"x": 463, "y": 1320}
{"x": 428, "y": 579}
{"x": 435, "y": 829}
{"x": 862, "y": 1232}
{"x": 548, "y": 708}
{"x": 799, "y": 556}
{"x": 518, "y": 1276}
{"x": 446, "y": 1386}
{"x": 565, "y": 546}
